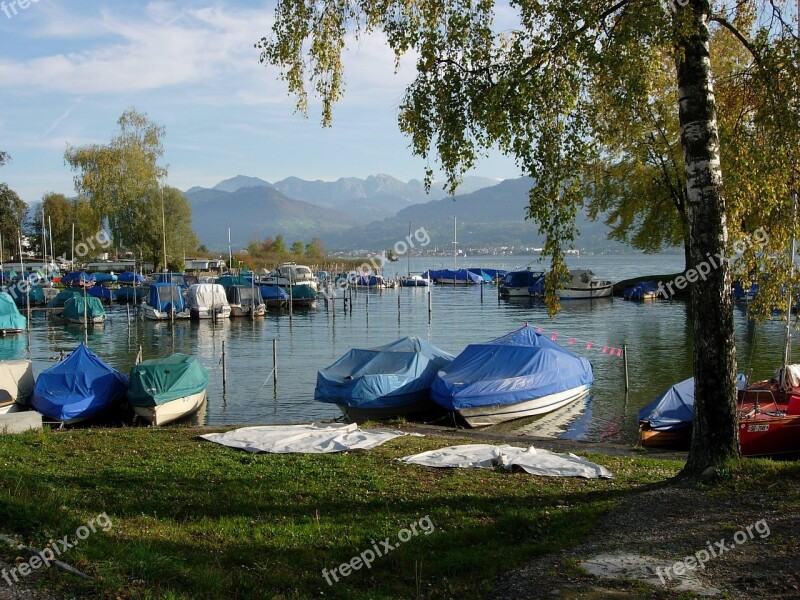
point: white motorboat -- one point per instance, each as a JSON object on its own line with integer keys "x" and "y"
{"x": 584, "y": 285}
{"x": 208, "y": 301}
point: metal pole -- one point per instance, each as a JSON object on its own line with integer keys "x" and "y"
{"x": 430, "y": 301}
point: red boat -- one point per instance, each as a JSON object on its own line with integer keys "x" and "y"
{"x": 769, "y": 418}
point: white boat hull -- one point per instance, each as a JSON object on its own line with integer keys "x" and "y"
{"x": 204, "y": 313}
{"x": 514, "y": 291}
{"x": 151, "y": 314}
{"x": 16, "y": 380}
{"x": 586, "y": 293}
{"x": 172, "y": 410}
{"x": 246, "y": 311}
{"x": 483, "y": 416}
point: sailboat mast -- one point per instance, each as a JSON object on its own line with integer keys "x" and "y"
{"x": 164, "y": 230}
{"x": 408, "y": 250}
{"x": 455, "y": 244}
{"x": 230, "y": 254}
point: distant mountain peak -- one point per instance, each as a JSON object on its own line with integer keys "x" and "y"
{"x": 239, "y": 182}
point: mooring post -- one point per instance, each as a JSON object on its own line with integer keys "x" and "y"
{"x": 430, "y": 301}
{"x": 275, "y": 361}
{"x": 625, "y": 363}
{"x": 224, "y": 367}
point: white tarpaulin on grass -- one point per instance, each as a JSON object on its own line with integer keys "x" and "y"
{"x": 303, "y": 439}
{"x": 531, "y": 460}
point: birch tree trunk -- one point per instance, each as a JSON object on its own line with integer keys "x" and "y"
{"x": 714, "y": 433}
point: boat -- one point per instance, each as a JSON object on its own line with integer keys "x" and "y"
{"x": 82, "y": 310}
{"x": 163, "y": 390}
{"x": 297, "y": 280}
{"x": 208, "y": 301}
{"x": 102, "y": 293}
{"x": 741, "y": 295}
{"x": 16, "y": 384}
{"x": 79, "y": 387}
{"x": 274, "y": 296}
{"x": 164, "y": 301}
{"x": 667, "y": 421}
{"x": 11, "y": 321}
{"x": 414, "y": 281}
{"x": 518, "y": 283}
{"x": 383, "y": 382}
{"x": 644, "y": 290}
{"x": 245, "y": 301}
{"x": 61, "y": 298}
{"x": 370, "y": 281}
{"x": 769, "y": 415}
{"x": 518, "y": 375}
{"x": 582, "y": 284}
{"x": 451, "y": 277}
{"x": 78, "y": 279}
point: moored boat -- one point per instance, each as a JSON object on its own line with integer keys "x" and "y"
{"x": 414, "y": 281}
{"x": 518, "y": 375}
{"x": 16, "y": 384}
{"x": 644, "y": 290}
{"x": 245, "y": 301}
{"x": 163, "y": 390}
{"x": 518, "y": 283}
{"x": 274, "y": 296}
{"x": 208, "y": 301}
{"x": 582, "y": 284}
{"x": 383, "y": 382}
{"x": 164, "y": 301}
{"x": 11, "y": 320}
{"x": 78, "y": 388}
{"x": 84, "y": 310}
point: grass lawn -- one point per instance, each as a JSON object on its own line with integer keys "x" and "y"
{"x": 193, "y": 519}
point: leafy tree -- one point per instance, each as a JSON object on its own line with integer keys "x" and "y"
{"x": 12, "y": 217}
{"x": 298, "y": 247}
{"x": 315, "y": 249}
{"x": 533, "y": 91}
{"x": 279, "y": 247}
{"x": 4, "y": 158}
{"x": 119, "y": 179}
{"x": 177, "y": 216}
{"x": 58, "y": 212}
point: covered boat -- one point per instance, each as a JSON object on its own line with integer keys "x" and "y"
{"x": 518, "y": 283}
{"x": 208, "y": 301}
{"x": 644, "y": 290}
{"x": 414, "y": 281}
{"x": 667, "y": 420}
{"x": 80, "y": 387}
{"x": 79, "y": 279}
{"x": 163, "y": 390}
{"x": 518, "y": 375}
{"x": 383, "y": 382}
{"x": 81, "y": 310}
{"x": 61, "y": 298}
{"x": 11, "y": 321}
{"x": 164, "y": 301}
{"x": 453, "y": 277}
{"x": 274, "y": 296}
{"x": 16, "y": 384}
{"x": 245, "y": 301}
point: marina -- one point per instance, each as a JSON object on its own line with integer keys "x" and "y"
{"x": 657, "y": 335}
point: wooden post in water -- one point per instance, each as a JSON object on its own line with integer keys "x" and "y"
{"x": 224, "y": 367}
{"x": 430, "y": 301}
{"x": 291, "y": 299}
{"x": 398, "y": 305}
{"x": 274, "y": 361}
{"x": 625, "y": 363}
{"x": 482, "y": 284}
{"x": 128, "y": 314}
{"x": 138, "y": 355}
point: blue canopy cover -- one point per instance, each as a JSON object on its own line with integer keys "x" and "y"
{"x": 522, "y": 365}
{"x": 387, "y": 376}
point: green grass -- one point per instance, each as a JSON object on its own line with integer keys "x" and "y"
{"x": 193, "y": 519}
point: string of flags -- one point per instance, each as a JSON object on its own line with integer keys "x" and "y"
{"x": 606, "y": 349}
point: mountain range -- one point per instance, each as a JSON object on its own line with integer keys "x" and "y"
{"x": 370, "y": 214}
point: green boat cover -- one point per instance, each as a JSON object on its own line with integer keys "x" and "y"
{"x": 10, "y": 317}
{"x": 160, "y": 380}
{"x": 61, "y": 298}
{"x": 74, "y": 308}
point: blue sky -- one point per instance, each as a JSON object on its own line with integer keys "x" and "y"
{"x": 69, "y": 69}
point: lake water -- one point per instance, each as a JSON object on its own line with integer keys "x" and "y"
{"x": 658, "y": 336}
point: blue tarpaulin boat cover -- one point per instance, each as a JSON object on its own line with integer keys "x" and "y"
{"x": 34, "y": 294}
{"x": 674, "y": 409}
{"x": 130, "y": 277}
{"x": 524, "y": 278}
{"x": 640, "y": 290}
{"x": 386, "y": 376}
{"x": 80, "y": 386}
{"x": 101, "y": 292}
{"x": 522, "y": 365}
{"x": 451, "y": 275}
{"x": 166, "y": 297}
{"x": 10, "y": 317}
{"x": 273, "y": 292}
{"x": 81, "y": 278}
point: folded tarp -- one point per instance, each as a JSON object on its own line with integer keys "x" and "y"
{"x": 530, "y": 460}
{"x": 303, "y": 439}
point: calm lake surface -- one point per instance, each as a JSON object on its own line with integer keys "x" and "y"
{"x": 657, "y": 333}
